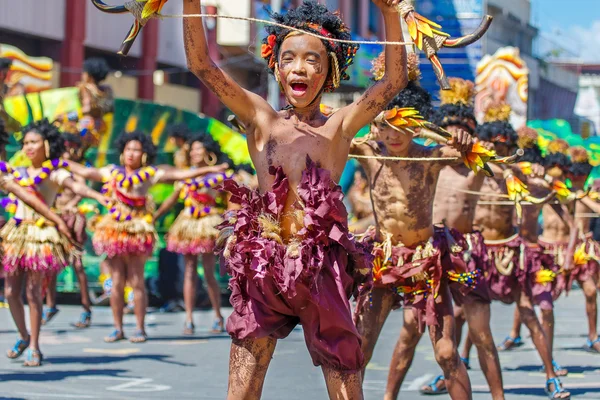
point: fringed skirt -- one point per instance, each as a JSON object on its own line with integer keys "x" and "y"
{"x": 31, "y": 248}
{"x": 117, "y": 238}
{"x": 189, "y": 235}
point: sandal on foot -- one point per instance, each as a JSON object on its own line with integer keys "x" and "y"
{"x": 218, "y": 325}
{"x": 48, "y": 314}
{"x": 433, "y": 389}
{"x": 558, "y": 370}
{"x": 466, "y": 362}
{"x": 34, "y": 358}
{"x": 589, "y": 345}
{"x": 510, "y": 343}
{"x": 558, "y": 389}
{"x": 115, "y": 336}
{"x": 85, "y": 320}
{"x": 189, "y": 328}
{"x": 138, "y": 337}
{"x": 18, "y": 349}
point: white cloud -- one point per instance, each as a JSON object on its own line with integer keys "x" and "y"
{"x": 588, "y": 41}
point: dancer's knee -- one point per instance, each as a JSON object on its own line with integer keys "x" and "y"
{"x": 446, "y": 354}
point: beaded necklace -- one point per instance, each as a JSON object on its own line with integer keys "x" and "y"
{"x": 193, "y": 185}
{"x": 48, "y": 167}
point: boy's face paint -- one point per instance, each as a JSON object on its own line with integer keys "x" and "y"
{"x": 303, "y": 69}
{"x": 395, "y": 142}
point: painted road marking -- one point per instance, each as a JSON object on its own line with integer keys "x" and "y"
{"x": 131, "y": 384}
{"x": 118, "y": 352}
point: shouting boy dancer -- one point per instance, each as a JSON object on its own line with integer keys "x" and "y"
{"x": 412, "y": 257}
{"x": 455, "y": 204}
{"x": 289, "y": 253}
{"x": 541, "y": 267}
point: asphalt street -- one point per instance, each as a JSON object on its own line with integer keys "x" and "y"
{"x": 79, "y": 365}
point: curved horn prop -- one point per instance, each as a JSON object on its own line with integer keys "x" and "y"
{"x": 510, "y": 159}
{"x": 134, "y": 31}
{"x": 429, "y": 38}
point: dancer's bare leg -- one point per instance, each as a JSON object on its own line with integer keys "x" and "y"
{"x": 13, "y": 285}
{"x": 370, "y": 320}
{"x": 443, "y": 338}
{"x": 190, "y": 283}
{"x": 540, "y": 342}
{"x": 51, "y": 292}
{"x": 343, "y": 385}
{"x": 118, "y": 274}
{"x": 83, "y": 285}
{"x": 547, "y": 321}
{"x": 214, "y": 293}
{"x": 403, "y": 355}
{"x": 459, "y": 321}
{"x": 466, "y": 352}
{"x": 248, "y": 363}
{"x": 478, "y": 319}
{"x": 537, "y": 334}
{"x": 36, "y": 304}
{"x": 516, "y": 328}
{"x": 135, "y": 276}
{"x": 591, "y": 309}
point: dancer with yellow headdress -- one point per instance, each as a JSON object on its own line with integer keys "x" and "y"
{"x": 414, "y": 260}
{"x": 455, "y": 204}
{"x": 508, "y": 274}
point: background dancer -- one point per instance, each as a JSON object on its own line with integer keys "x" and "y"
{"x": 180, "y": 134}
{"x": 508, "y": 274}
{"x": 67, "y": 205}
{"x": 33, "y": 248}
{"x": 308, "y": 258}
{"x": 455, "y": 203}
{"x": 127, "y": 235}
{"x": 195, "y": 230}
{"x": 585, "y": 272}
{"x": 402, "y": 193}
{"x": 541, "y": 267}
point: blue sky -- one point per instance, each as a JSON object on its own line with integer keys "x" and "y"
{"x": 574, "y": 24}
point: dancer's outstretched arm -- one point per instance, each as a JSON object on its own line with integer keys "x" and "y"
{"x": 81, "y": 189}
{"x": 166, "y": 205}
{"x": 87, "y": 173}
{"x": 377, "y": 97}
{"x": 174, "y": 174}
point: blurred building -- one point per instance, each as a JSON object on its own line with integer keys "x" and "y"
{"x": 68, "y": 31}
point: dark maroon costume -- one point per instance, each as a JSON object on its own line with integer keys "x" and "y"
{"x": 418, "y": 274}
{"x": 508, "y": 271}
{"x": 476, "y": 259}
{"x": 565, "y": 279}
{"x": 538, "y": 261}
{"x": 276, "y": 286}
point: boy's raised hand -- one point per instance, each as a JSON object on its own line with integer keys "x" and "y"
{"x": 387, "y": 6}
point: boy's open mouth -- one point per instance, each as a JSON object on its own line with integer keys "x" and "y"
{"x": 299, "y": 88}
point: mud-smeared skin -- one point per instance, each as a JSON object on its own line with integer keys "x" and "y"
{"x": 402, "y": 192}
{"x": 450, "y": 204}
{"x": 369, "y": 321}
{"x": 248, "y": 363}
{"x": 495, "y": 221}
{"x": 343, "y": 385}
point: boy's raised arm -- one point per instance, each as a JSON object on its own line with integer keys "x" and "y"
{"x": 377, "y": 97}
{"x": 245, "y": 105}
